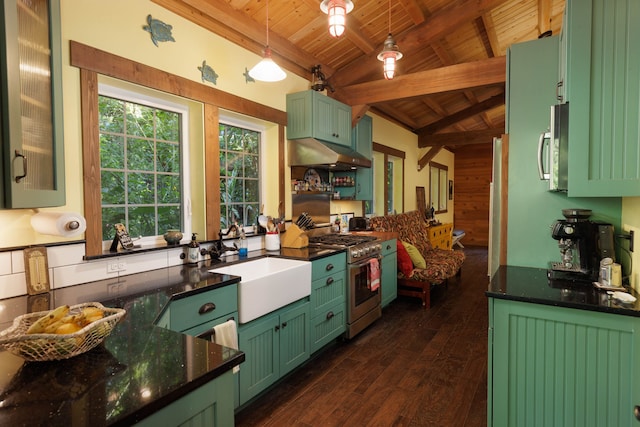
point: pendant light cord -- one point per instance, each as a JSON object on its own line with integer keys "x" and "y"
{"x": 389, "y": 16}
{"x": 267, "y": 23}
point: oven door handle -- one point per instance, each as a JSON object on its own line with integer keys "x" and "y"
{"x": 365, "y": 262}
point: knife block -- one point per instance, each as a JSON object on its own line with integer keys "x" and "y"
{"x": 294, "y": 238}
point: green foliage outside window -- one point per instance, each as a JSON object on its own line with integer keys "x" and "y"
{"x": 239, "y": 175}
{"x": 140, "y": 168}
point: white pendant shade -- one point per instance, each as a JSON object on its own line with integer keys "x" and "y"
{"x": 267, "y": 70}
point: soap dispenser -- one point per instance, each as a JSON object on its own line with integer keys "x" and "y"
{"x": 194, "y": 250}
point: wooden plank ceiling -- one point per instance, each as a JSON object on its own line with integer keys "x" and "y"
{"x": 450, "y": 84}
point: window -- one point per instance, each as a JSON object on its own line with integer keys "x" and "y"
{"x": 439, "y": 187}
{"x": 239, "y": 175}
{"x": 141, "y": 164}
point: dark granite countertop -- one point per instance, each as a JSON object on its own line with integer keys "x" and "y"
{"x": 531, "y": 285}
{"x": 139, "y": 368}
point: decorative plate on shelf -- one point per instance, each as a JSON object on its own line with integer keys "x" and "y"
{"x": 313, "y": 178}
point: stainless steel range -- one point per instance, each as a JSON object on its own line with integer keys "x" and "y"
{"x": 363, "y": 294}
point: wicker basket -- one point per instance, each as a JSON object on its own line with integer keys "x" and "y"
{"x": 42, "y": 347}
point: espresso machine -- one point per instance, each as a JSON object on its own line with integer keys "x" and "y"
{"x": 582, "y": 243}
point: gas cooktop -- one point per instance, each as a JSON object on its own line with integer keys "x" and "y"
{"x": 341, "y": 240}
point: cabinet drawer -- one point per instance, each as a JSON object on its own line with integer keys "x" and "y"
{"x": 389, "y": 247}
{"x": 329, "y": 265}
{"x": 327, "y": 291}
{"x": 208, "y": 326}
{"x": 328, "y": 326}
{"x": 185, "y": 313}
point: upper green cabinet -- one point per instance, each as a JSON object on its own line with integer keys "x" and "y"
{"x": 310, "y": 114}
{"x": 31, "y": 105}
{"x": 602, "y": 86}
{"x": 363, "y": 144}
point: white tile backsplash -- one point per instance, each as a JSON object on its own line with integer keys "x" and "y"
{"x": 17, "y": 262}
{"x": 5, "y": 263}
{"x": 67, "y": 267}
{"x": 13, "y": 285}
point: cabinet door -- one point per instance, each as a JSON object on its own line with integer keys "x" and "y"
{"x": 561, "y": 366}
{"x": 363, "y": 144}
{"x": 389, "y": 282}
{"x": 209, "y": 405}
{"x": 299, "y": 115}
{"x": 294, "y": 337}
{"x": 343, "y": 123}
{"x": 31, "y": 109}
{"x": 332, "y": 120}
{"x": 261, "y": 368}
{"x": 603, "y": 90}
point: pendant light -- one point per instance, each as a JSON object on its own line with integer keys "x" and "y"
{"x": 337, "y": 11}
{"x": 267, "y": 70}
{"x": 390, "y": 53}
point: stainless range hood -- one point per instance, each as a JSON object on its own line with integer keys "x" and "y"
{"x": 312, "y": 152}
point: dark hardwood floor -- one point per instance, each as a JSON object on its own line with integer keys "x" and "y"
{"x": 413, "y": 367}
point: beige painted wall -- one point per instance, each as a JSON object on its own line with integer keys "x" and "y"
{"x": 117, "y": 27}
{"x": 631, "y": 221}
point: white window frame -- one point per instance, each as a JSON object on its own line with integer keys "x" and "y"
{"x": 176, "y": 107}
{"x": 232, "y": 119}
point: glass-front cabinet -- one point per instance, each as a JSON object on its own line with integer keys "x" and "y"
{"x": 31, "y": 107}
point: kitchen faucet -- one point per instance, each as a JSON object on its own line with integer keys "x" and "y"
{"x": 218, "y": 247}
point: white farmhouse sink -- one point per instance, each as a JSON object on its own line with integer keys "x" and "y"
{"x": 268, "y": 284}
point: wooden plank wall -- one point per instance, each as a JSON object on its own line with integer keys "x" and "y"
{"x": 473, "y": 165}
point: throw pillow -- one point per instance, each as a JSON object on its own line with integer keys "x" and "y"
{"x": 416, "y": 257}
{"x": 405, "y": 265}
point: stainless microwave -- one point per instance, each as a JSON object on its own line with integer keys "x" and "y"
{"x": 553, "y": 150}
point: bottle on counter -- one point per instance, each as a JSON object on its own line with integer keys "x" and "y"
{"x": 194, "y": 249}
{"x": 242, "y": 244}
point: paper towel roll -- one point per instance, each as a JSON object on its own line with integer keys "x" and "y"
{"x": 65, "y": 224}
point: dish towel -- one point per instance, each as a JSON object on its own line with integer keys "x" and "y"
{"x": 226, "y": 334}
{"x": 374, "y": 274}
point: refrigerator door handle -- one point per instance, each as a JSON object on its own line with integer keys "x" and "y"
{"x": 543, "y": 175}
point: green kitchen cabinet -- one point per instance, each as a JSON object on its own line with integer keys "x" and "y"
{"x": 274, "y": 345}
{"x": 310, "y": 114}
{"x": 197, "y": 313}
{"x": 363, "y": 143}
{"x": 389, "y": 268}
{"x": 602, "y": 81}
{"x": 328, "y": 300}
{"x": 558, "y": 366}
{"x": 208, "y": 405}
{"x": 31, "y": 121}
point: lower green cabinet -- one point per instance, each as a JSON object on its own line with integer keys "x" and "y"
{"x": 273, "y": 345}
{"x": 557, "y": 366}
{"x": 209, "y": 405}
{"x": 389, "y": 278}
{"x": 328, "y": 300}
{"x": 204, "y": 310}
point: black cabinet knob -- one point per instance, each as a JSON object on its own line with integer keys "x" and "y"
{"x": 329, "y": 280}
{"x": 329, "y": 267}
{"x": 284, "y": 325}
{"x": 636, "y": 412}
{"x": 330, "y": 315}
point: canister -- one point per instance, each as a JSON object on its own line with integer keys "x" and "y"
{"x": 605, "y": 271}
{"x": 272, "y": 241}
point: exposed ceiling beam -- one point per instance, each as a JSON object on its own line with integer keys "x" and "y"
{"x": 428, "y": 156}
{"x": 544, "y": 16}
{"x": 485, "y": 72}
{"x": 459, "y": 138}
{"x": 434, "y": 28}
{"x": 478, "y": 108}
